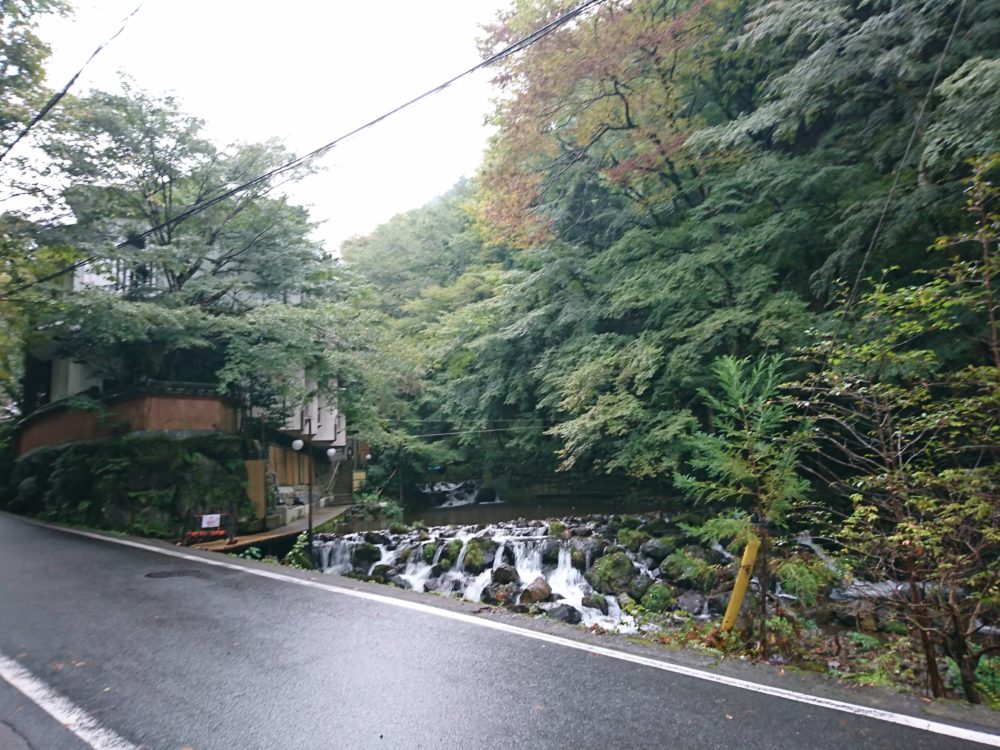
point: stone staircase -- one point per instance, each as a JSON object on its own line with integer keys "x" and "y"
{"x": 343, "y": 486}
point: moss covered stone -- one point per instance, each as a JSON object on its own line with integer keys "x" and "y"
{"x": 659, "y": 597}
{"x": 639, "y": 586}
{"x": 630, "y": 522}
{"x": 628, "y": 605}
{"x": 689, "y": 570}
{"x": 612, "y": 574}
{"x": 632, "y": 538}
{"x": 479, "y": 554}
{"x": 556, "y": 528}
{"x": 365, "y": 555}
{"x": 596, "y": 601}
{"x": 429, "y": 550}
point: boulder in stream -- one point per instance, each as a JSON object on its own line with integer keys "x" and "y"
{"x": 566, "y": 613}
{"x": 505, "y": 573}
{"x": 596, "y": 601}
{"x": 504, "y": 594}
{"x": 364, "y": 555}
{"x": 479, "y": 554}
{"x": 639, "y": 586}
{"x": 657, "y": 549}
{"x": 692, "y": 602}
{"x": 612, "y": 574}
{"x": 536, "y": 591}
{"x": 659, "y": 597}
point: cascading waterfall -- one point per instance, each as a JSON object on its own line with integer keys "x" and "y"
{"x": 567, "y": 581}
{"x": 335, "y": 556}
{"x": 417, "y": 570}
{"x": 527, "y": 560}
{"x": 388, "y": 557}
{"x": 524, "y": 546}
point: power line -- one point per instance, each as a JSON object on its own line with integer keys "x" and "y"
{"x": 476, "y": 432}
{"x": 57, "y": 97}
{"x": 852, "y": 297}
{"x": 197, "y": 208}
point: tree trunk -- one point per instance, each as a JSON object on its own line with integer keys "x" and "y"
{"x": 967, "y": 669}
{"x": 930, "y": 656}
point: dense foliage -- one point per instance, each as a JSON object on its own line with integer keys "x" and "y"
{"x": 677, "y": 195}
{"x": 739, "y": 252}
{"x": 140, "y": 484}
{"x": 671, "y": 182}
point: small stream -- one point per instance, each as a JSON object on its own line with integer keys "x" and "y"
{"x": 515, "y": 564}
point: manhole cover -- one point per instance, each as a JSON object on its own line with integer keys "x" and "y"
{"x": 173, "y": 573}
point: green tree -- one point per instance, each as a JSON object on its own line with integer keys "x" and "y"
{"x": 914, "y": 440}
{"x": 237, "y": 293}
{"x": 747, "y": 466}
{"x": 22, "y": 59}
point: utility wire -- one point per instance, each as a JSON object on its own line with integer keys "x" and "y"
{"x": 475, "y": 432}
{"x": 516, "y": 46}
{"x": 918, "y": 121}
{"x": 57, "y": 97}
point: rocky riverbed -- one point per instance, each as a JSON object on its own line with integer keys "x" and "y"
{"x": 600, "y": 570}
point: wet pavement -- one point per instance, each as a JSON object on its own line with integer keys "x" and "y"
{"x": 170, "y": 653}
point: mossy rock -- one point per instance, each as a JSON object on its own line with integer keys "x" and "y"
{"x": 453, "y": 550}
{"x": 632, "y": 538}
{"x": 657, "y": 527}
{"x": 557, "y": 528}
{"x": 479, "y": 554}
{"x": 612, "y": 574}
{"x": 364, "y": 555}
{"x": 429, "y": 550}
{"x": 578, "y": 558}
{"x": 689, "y": 570}
{"x": 628, "y": 605}
{"x": 595, "y": 601}
{"x": 403, "y": 554}
{"x": 658, "y": 549}
{"x": 398, "y": 528}
{"x": 659, "y": 597}
{"x": 550, "y": 552}
{"x": 639, "y": 586}
{"x": 630, "y": 522}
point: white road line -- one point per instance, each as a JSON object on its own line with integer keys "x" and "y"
{"x": 71, "y": 716}
{"x": 972, "y": 735}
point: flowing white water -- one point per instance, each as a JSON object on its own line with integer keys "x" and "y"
{"x": 527, "y": 560}
{"x": 474, "y": 589}
{"x": 335, "y": 556}
{"x": 520, "y": 545}
{"x": 388, "y": 557}
{"x": 417, "y": 571}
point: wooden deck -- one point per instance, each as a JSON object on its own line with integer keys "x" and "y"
{"x": 320, "y": 516}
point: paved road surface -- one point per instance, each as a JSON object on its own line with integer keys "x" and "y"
{"x": 212, "y": 657}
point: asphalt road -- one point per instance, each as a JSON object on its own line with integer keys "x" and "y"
{"x": 201, "y": 656}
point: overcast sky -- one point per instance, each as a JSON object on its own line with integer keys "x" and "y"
{"x": 307, "y": 71}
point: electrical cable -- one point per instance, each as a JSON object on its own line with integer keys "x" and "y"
{"x": 511, "y": 49}
{"x": 918, "y": 121}
{"x": 476, "y": 432}
{"x": 57, "y": 97}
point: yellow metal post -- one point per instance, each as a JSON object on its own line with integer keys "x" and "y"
{"x": 742, "y": 581}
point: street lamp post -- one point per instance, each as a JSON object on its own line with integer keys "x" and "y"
{"x": 297, "y": 446}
